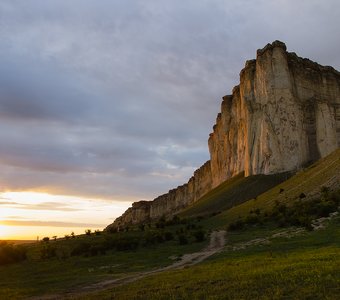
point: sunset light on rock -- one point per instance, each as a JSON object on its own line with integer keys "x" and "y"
{"x": 169, "y": 149}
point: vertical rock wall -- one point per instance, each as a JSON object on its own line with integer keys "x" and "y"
{"x": 284, "y": 114}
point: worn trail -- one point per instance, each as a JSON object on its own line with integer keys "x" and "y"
{"x": 216, "y": 244}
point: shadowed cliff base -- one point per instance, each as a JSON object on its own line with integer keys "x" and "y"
{"x": 233, "y": 192}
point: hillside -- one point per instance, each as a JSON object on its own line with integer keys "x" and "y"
{"x": 304, "y": 266}
{"x": 232, "y": 192}
{"x": 325, "y": 172}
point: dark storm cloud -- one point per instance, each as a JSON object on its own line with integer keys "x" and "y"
{"x": 116, "y": 99}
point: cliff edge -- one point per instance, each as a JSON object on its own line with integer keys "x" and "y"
{"x": 284, "y": 114}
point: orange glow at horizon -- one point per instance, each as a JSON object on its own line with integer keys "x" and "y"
{"x": 28, "y": 215}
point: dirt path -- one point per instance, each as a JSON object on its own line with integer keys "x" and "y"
{"x": 217, "y": 242}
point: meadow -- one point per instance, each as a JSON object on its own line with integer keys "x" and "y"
{"x": 275, "y": 254}
{"x": 306, "y": 266}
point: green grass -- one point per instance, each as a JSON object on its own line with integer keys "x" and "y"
{"x": 38, "y": 277}
{"x": 303, "y": 267}
{"x": 308, "y": 181}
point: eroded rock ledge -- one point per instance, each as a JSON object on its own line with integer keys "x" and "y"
{"x": 284, "y": 114}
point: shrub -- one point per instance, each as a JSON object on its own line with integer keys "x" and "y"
{"x": 302, "y": 195}
{"x": 182, "y": 239}
{"x": 199, "y": 235}
{"x": 47, "y": 251}
{"x": 168, "y": 236}
{"x": 190, "y": 226}
{"x": 253, "y": 219}
{"x": 97, "y": 250}
{"x": 81, "y": 248}
{"x": 199, "y": 218}
{"x": 127, "y": 243}
{"x": 112, "y": 229}
{"x": 63, "y": 252}
{"x": 237, "y": 225}
{"x": 160, "y": 224}
{"x": 88, "y": 231}
{"x": 150, "y": 239}
{"x": 11, "y": 254}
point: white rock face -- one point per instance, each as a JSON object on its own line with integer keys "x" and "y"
{"x": 284, "y": 114}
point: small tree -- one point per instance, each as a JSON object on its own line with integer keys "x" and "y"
{"x": 54, "y": 237}
{"x": 46, "y": 239}
{"x": 73, "y": 235}
{"x": 88, "y": 231}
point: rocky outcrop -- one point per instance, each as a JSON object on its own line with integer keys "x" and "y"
{"x": 284, "y": 114}
{"x": 170, "y": 203}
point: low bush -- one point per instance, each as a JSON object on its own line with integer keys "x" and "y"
{"x": 182, "y": 239}
{"x": 199, "y": 235}
{"x": 47, "y": 251}
{"x": 300, "y": 213}
{"x": 11, "y": 254}
{"x": 237, "y": 225}
{"x": 81, "y": 249}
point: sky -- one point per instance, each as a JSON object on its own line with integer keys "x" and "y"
{"x": 103, "y": 103}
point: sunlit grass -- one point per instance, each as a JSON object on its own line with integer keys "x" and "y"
{"x": 304, "y": 267}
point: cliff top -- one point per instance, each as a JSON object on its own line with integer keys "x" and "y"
{"x": 292, "y": 56}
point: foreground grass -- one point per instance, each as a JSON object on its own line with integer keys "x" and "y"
{"x": 40, "y": 277}
{"x": 303, "y": 267}
{"x": 305, "y": 274}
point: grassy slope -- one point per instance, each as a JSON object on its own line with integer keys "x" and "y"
{"x": 302, "y": 267}
{"x": 308, "y": 181}
{"x": 39, "y": 277}
{"x": 235, "y": 191}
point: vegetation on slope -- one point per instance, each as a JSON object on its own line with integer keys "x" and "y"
{"x": 302, "y": 267}
{"x": 234, "y": 191}
{"x": 309, "y": 182}
{"x": 298, "y": 213}
{"x": 55, "y": 266}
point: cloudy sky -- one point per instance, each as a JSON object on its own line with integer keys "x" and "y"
{"x": 114, "y": 100}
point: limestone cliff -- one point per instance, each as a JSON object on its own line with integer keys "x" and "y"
{"x": 284, "y": 114}
{"x": 170, "y": 203}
